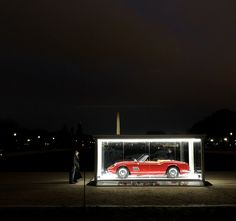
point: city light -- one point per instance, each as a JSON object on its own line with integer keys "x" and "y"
{"x": 225, "y": 139}
{"x": 14, "y": 134}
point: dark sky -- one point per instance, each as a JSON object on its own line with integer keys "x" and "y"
{"x": 163, "y": 64}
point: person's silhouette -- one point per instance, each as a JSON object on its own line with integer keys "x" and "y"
{"x": 74, "y": 173}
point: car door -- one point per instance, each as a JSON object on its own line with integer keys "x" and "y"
{"x": 156, "y": 167}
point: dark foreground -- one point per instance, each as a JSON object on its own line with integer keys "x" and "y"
{"x": 47, "y": 195}
{"x": 118, "y": 213}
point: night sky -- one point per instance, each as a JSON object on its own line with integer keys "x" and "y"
{"x": 163, "y": 64}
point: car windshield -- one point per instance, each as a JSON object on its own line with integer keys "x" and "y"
{"x": 142, "y": 158}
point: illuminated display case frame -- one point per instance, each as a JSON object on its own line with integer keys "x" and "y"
{"x": 142, "y": 155}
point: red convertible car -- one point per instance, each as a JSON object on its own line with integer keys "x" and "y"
{"x": 142, "y": 166}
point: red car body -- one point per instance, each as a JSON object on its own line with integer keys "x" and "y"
{"x": 171, "y": 168}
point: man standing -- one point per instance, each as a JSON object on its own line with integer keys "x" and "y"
{"x": 74, "y": 173}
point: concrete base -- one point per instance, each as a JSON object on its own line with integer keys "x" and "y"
{"x": 150, "y": 183}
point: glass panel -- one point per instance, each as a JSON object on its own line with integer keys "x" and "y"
{"x": 111, "y": 152}
{"x": 133, "y": 150}
{"x": 164, "y": 160}
{"x": 197, "y": 157}
{"x": 184, "y": 152}
{"x": 169, "y": 151}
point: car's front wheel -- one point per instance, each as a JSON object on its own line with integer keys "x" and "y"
{"x": 172, "y": 172}
{"x": 122, "y": 172}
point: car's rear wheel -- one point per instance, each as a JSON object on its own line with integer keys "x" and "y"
{"x": 172, "y": 172}
{"x": 122, "y": 172}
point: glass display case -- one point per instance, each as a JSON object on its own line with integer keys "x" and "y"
{"x": 150, "y": 160}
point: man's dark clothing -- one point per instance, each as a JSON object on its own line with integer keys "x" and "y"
{"x": 75, "y": 170}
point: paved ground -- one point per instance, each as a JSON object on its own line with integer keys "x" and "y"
{"x": 27, "y": 194}
{"x": 52, "y": 189}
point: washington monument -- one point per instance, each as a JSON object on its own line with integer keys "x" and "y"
{"x": 118, "y": 123}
